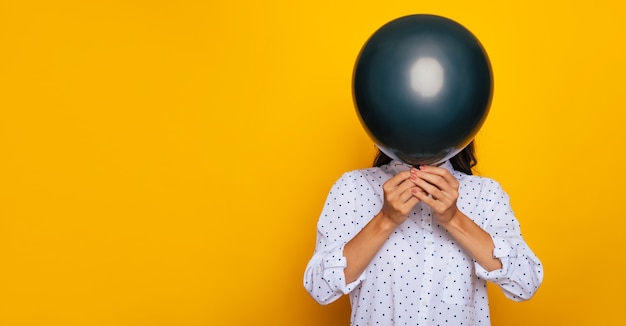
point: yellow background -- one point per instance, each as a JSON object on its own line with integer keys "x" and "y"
{"x": 165, "y": 162}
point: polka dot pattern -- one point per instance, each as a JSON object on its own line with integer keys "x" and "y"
{"x": 420, "y": 276}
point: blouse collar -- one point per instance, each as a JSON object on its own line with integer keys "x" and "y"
{"x": 398, "y": 166}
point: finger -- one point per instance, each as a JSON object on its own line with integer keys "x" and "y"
{"x": 396, "y": 197}
{"x": 412, "y": 201}
{"x": 391, "y": 188}
{"x": 409, "y": 193}
{"x": 433, "y": 195}
{"x": 421, "y": 180}
{"x": 432, "y": 178}
{"x": 405, "y": 185}
{"x": 425, "y": 198}
{"x": 441, "y": 172}
{"x": 403, "y": 191}
{"x": 450, "y": 186}
{"x": 397, "y": 179}
{"x": 443, "y": 188}
{"x": 418, "y": 193}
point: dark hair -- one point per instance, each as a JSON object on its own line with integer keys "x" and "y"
{"x": 464, "y": 161}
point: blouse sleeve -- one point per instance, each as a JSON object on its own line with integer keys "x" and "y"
{"x": 521, "y": 272}
{"x": 324, "y": 277}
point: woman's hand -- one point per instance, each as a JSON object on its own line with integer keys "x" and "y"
{"x": 399, "y": 193}
{"x": 400, "y": 197}
{"x": 439, "y": 190}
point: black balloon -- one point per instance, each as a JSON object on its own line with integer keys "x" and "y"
{"x": 422, "y": 88}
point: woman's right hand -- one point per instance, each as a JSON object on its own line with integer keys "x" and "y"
{"x": 399, "y": 200}
{"x": 399, "y": 193}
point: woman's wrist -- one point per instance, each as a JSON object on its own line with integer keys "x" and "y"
{"x": 385, "y": 222}
{"x": 453, "y": 221}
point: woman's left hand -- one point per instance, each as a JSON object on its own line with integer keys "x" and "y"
{"x": 441, "y": 190}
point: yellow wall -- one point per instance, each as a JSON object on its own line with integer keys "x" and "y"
{"x": 164, "y": 162}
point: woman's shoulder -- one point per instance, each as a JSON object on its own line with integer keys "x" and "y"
{"x": 368, "y": 175}
{"x": 483, "y": 183}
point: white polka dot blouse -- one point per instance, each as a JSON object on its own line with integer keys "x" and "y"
{"x": 420, "y": 276}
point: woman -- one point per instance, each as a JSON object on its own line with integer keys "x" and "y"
{"x": 416, "y": 245}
